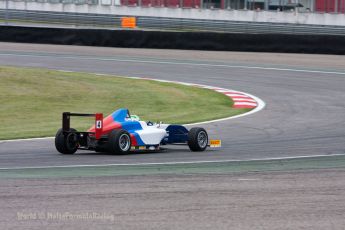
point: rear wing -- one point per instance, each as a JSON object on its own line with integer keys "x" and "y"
{"x": 66, "y": 120}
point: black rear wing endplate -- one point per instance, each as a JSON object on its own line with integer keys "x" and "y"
{"x": 66, "y": 121}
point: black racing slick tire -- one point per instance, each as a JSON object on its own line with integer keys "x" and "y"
{"x": 119, "y": 142}
{"x": 197, "y": 139}
{"x": 66, "y": 144}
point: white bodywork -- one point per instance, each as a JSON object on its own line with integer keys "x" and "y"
{"x": 151, "y": 135}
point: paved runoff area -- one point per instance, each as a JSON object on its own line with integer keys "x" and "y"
{"x": 311, "y": 199}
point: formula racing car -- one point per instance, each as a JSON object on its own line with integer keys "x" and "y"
{"x": 120, "y": 133}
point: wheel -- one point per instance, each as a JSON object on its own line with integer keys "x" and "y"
{"x": 119, "y": 142}
{"x": 66, "y": 144}
{"x": 197, "y": 139}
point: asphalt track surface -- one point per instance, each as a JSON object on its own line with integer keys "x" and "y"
{"x": 304, "y": 116}
{"x": 285, "y": 201}
{"x": 304, "y": 95}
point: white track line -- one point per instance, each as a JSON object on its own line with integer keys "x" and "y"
{"x": 27, "y": 139}
{"x": 181, "y": 63}
{"x": 171, "y": 163}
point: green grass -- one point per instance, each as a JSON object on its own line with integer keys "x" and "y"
{"x": 32, "y": 100}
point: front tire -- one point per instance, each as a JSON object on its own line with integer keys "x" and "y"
{"x": 197, "y": 139}
{"x": 66, "y": 144}
{"x": 119, "y": 142}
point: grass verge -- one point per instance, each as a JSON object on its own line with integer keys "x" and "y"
{"x": 32, "y": 100}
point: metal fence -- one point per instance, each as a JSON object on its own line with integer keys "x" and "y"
{"x": 61, "y": 19}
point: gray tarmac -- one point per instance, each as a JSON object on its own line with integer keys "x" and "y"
{"x": 304, "y": 116}
{"x": 304, "y": 113}
{"x": 280, "y": 200}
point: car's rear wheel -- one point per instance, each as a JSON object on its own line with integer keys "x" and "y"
{"x": 119, "y": 142}
{"x": 197, "y": 139}
{"x": 66, "y": 144}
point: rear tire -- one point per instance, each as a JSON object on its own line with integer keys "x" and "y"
{"x": 197, "y": 139}
{"x": 66, "y": 144}
{"x": 119, "y": 142}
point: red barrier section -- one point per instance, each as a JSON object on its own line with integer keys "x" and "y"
{"x": 169, "y": 3}
{"x": 129, "y": 2}
{"x": 158, "y": 3}
{"x": 146, "y": 2}
{"x": 191, "y": 3}
{"x": 327, "y": 6}
{"x": 154, "y": 3}
{"x": 341, "y": 6}
{"x": 173, "y": 3}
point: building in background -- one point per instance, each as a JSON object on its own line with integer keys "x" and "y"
{"x": 319, "y": 6}
{"x": 324, "y": 6}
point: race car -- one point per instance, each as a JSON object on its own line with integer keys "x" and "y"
{"x": 120, "y": 133}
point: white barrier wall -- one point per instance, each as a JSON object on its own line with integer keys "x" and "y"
{"x": 231, "y": 15}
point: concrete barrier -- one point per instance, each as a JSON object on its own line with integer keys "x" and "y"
{"x": 322, "y": 44}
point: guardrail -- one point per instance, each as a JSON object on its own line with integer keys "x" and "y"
{"x": 64, "y": 19}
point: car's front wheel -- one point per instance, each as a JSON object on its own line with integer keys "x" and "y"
{"x": 119, "y": 142}
{"x": 197, "y": 139}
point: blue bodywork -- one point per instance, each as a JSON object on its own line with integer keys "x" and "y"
{"x": 176, "y": 134}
